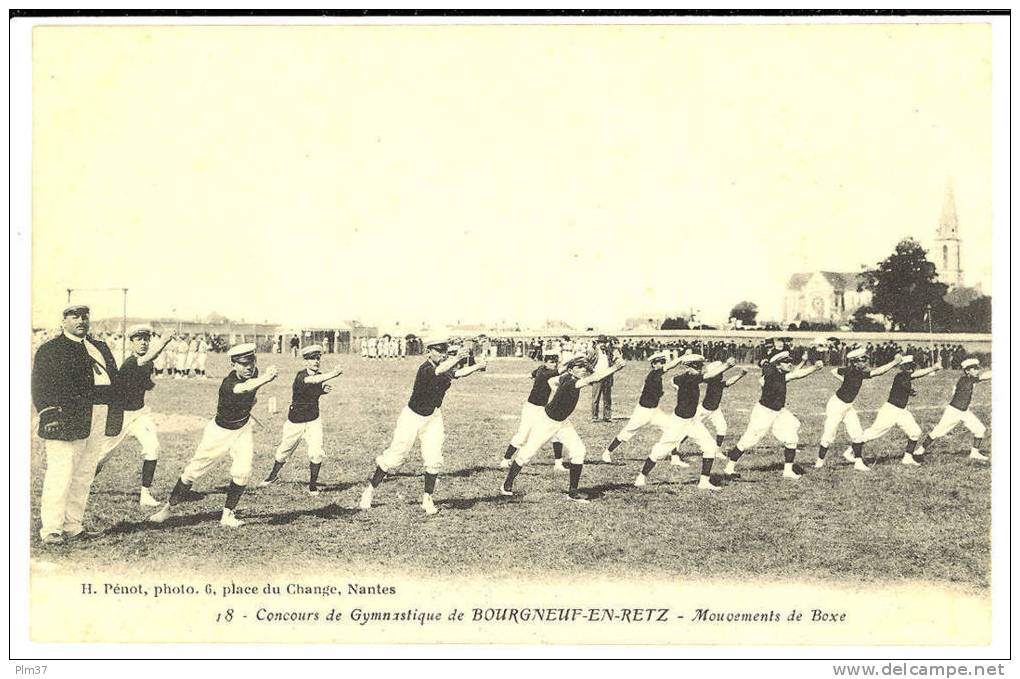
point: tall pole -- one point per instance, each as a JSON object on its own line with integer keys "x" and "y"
{"x": 123, "y": 328}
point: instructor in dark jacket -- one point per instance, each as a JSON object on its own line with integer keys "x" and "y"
{"x": 72, "y": 390}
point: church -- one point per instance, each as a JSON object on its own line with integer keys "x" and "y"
{"x": 833, "y": 297}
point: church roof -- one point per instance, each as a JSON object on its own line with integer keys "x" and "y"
{"x": 838, "y": 280}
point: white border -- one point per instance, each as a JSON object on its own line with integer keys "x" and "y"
{"x": 19, "y": 351}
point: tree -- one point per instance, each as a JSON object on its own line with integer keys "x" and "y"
{"x": 862, "y": 321}
{"x": 904, "y": 285}
{"x": 678, "y": 323}
{"x": 745, "y": 312}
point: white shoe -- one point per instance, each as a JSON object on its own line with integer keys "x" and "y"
{"x": 427, "y": 505}
{"x": 677, "y": 462}
{"x": 860, "y": 466}
{"x": 145, "y": 499}
{"x": 731, "y": 468}
{"x": 640, "y": 481}
{"x": 504, "y": 492}
{"x": 577, "y": 498}
{"x": 919, "y": 451}
{"x": 366, "y": 498}
{"x": 790, "y": 474}
{"x": 504, "y": 463}
{"x": 848, "y": 455}
{"x": 819, "y": 462}
{"x": 909, "y": 460}
{"x": 559, "y": 466}
{"x": 607, "y": 457}
{"x": 229, "y": 520}
{"x": 975, "y": 455}
{"x": 269, "y": 482}
{"x": 162, "y": 515}
{"x": 314, "y": 493}
{"x": 705, "y": 484}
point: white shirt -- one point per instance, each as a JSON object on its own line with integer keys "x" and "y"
{"x": 100, "y": 377}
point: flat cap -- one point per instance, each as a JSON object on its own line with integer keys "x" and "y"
{"x": 140, "y": 329}
{"x": 239, "y": 351}
{"x": 970, "y": 363}
{"x": 310, "y": 350}
{"x": 780, "y": 356}
{"x": 859, "y": 352}
{"x": 692, "y": 358}
{"x": 436, "y": 341}
{"x": 76, "y": 309}
{"x": 659, "y": 356}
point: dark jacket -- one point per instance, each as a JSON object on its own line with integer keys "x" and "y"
{"x": 63, "y": 390}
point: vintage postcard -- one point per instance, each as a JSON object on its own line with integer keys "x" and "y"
{"x": 609, "y": 331}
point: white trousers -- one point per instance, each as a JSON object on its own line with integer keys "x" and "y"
{"x": 200, "y": 361}
{"x": 410, "y": 426}
{"x": 140, "y": 425}
{"x": 543, "y": 430}
{"x": 952, "y": 417}
{"x": 837, "y": 411}
{"x": 783, "y": 424}
{"x": 70, "y": 468}
{"x": 678, "y": 429}
{"x": 529, "y": 415}
{"x": 294, "y": 432}
{"x": 715, "y": 417}
{"x": 217, "y": 442}
{"x": 182, "y": 361}
{"x": 640, "y": 418}
{"x": 890, "y": 416}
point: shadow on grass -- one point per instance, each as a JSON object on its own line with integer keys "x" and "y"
{"x": 469, "y": 502}
{"x": 330, "y": 511}
{"x": 596, "y": 492}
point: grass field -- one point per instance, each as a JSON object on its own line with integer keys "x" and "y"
{"x": 929, "y": 523}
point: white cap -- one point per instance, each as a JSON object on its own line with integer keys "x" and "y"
{"x": 970, "y": 363}
{"x": 659, "y": 356}
{"x": 779, "y": 356}
{"x": 436, "y": 340}
{"x": 239, "y": 351}
{"x": 140, "y": 329}
{"x": 859, "y": 352}
{"x": 311, "y": 349}
{"x": 906, "y": 360}
{"x": 692, "y": 358}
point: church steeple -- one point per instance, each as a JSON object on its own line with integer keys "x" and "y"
{"x": 947, "y": 242}
{"x": 947, "y": 223}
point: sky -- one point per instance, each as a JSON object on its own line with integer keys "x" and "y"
{"x": 495, "y": 173}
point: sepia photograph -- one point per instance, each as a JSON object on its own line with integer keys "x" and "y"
{"x": 558, "y": 331}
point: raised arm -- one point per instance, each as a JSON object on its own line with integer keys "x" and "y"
{"x": 451, "y": 363}
{"x": 323, "y": 377}
{"x": 736, "y": 378}
{"x": 155, "y": 350}
{"x": 601, "y": 374}
{"x": 671, "y": 364}
{"x": 801, "y": 373}
{"x": 985, "y": 376}
{"x": 883, "y": 369}
{"x": 715, "y": 371}
{"x": 469, "y": 369}
{"x": 924, "y": 372}
{"x": 256, "y": 383}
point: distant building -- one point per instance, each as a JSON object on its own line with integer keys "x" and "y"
{"x": 947, "y": 243}
{"x": 823, "y": 297}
